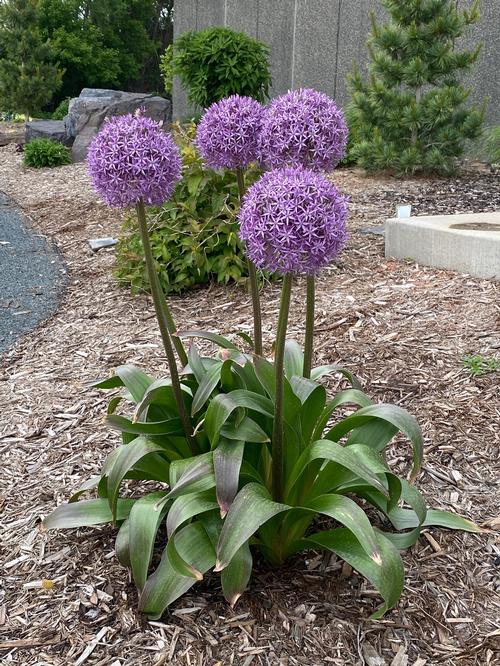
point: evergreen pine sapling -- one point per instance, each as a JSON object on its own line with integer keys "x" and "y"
{"x": 410, "y": 113}
{"x": 28, "y": 75}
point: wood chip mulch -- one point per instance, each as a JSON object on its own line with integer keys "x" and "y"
{"x": 403, "y": 328}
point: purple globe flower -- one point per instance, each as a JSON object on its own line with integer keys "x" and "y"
{"x": 131, "y": 159}
{"x": 293, "y": 220}
{"x": 228, "y": 133}
{"x": 303, "y": 128}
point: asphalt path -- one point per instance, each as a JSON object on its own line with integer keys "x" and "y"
{"x": 32, "y": 276}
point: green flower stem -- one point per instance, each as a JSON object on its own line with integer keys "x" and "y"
{"x": 166, "y": 315}
{"x": 308, "y": 346}
{"x": 161, "y": 308}
{"x": 254, "y": 283}
{"x": 279, "y": 354}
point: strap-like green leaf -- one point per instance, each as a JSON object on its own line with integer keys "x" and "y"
{"x": 160, "y": 393}
{"x": 326, "y": 450}
{"x": 407, "y": 518}
{"x": 388, "y": 577}
{"x": 251, "y": 508}
{"x": 194, "y": 475}
{"x": 122, "y": 545}
{"x": 187, "y": 506}
{"x": 219, "y": 340}
{"x": 236, "y": 575}
{"x": 294, "y": 359}
{"x": 127, "y": 457}
{"x": 396, "y": 416}
{"x": 89, "y": 484}
{"x": 322, "y": 370}
{"x": 128, "y": 375}
{"x": 168, "y": 427}
{"x": 143, "y": 523}
{"x": 181, "y": 565}
{"x": 345, "y": 511}
{"x": 227, "y": 463}
{"x": 354, "y": 396}
{"x": 165, "y": 585}
{"x": 86, "y": 513}
{"x": 246, "y": 431}
{"x": 223, "y": 405}
{"x": 206, "y": 386}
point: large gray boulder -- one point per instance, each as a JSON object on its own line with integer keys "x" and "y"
{"x": 48, "y": 129}
{"x": 88, "y": 112}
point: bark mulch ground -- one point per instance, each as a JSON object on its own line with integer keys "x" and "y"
{"x": 403, "y": 328}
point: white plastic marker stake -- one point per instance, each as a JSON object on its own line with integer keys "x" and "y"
{"x": 402, "y": 210}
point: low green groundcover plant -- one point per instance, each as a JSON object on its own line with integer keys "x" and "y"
{"x": 40, "y": 153}
{"x": 249, "y": 455}
{"x": 194, "y": 236}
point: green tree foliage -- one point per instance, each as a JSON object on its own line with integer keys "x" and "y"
{"x": 29, "y": 75}
{"x": 410, "y": 114}
{"x": 108, "y": 43}
{"x": 218, "y": 62}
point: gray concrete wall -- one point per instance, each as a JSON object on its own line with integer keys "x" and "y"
{"x": 314, "y": 43}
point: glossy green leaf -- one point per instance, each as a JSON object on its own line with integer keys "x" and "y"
{"x": 181, "y": 565}
{"x": 205, "y": 388}
{"x": 347, "y": 396}
{"x": 345, "y": 511}
{"x": 251, "y": 508}
{"x": 143, "y": 523}
{"x": 323, "y": 370}
{"x": 165, "y": 585}
{"x": 294, "y": 359}
{"x": 89, "y": 484}
{"x": 388, "y": 578}
{"x": 86, "y": 513}
{"x": 227, "y": 463}
{"x": 235, "y": 576}
{"x": 217, "y": 339}
{"x": 194, "y": 475}
{"x": 161, "y": 394}
{"x": 392, "y": 414}
{"x": 247, "y": 431}
{"x": 327, "y": 450}
{"x": 122, "y": 545}
{"x": 127, "y": 457}
{"x": 407, "y": 518}
{"x": 168, "y": 427}
{"x": 128, "y": 375}
{"x": 222, "y": 406}
{"x": 187, "y": 506}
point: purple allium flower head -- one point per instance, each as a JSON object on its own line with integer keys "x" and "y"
{"x": 303, "y": 128}
{"x": 132, "y": 158}
{"x": 293, "y": 220}
{"x": 227, "y": 136}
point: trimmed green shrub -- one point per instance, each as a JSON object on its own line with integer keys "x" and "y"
{"x": 46, "y": 153}
{"x": 194, "y": 236}
{"x": 61, "y": 110}
{"x": 219, "y": 62}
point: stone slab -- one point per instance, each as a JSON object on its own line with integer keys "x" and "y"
{"x": 434, "y": 240}
{"x": 54, "y": 130}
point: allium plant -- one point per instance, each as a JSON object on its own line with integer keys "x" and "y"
{"x": 303, "y": 128}
{"x": 280, "y": 468}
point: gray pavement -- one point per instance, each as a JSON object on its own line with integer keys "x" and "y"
{"x": 32, "y": 276}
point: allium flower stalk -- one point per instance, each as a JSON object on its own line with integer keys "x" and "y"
{"x": 303, "y": 128}
{"x": 227, "y": 138}
{"x": 293, "y": 221}
{"x": 228, "y": 134}
{"x": 132, "y": 161}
